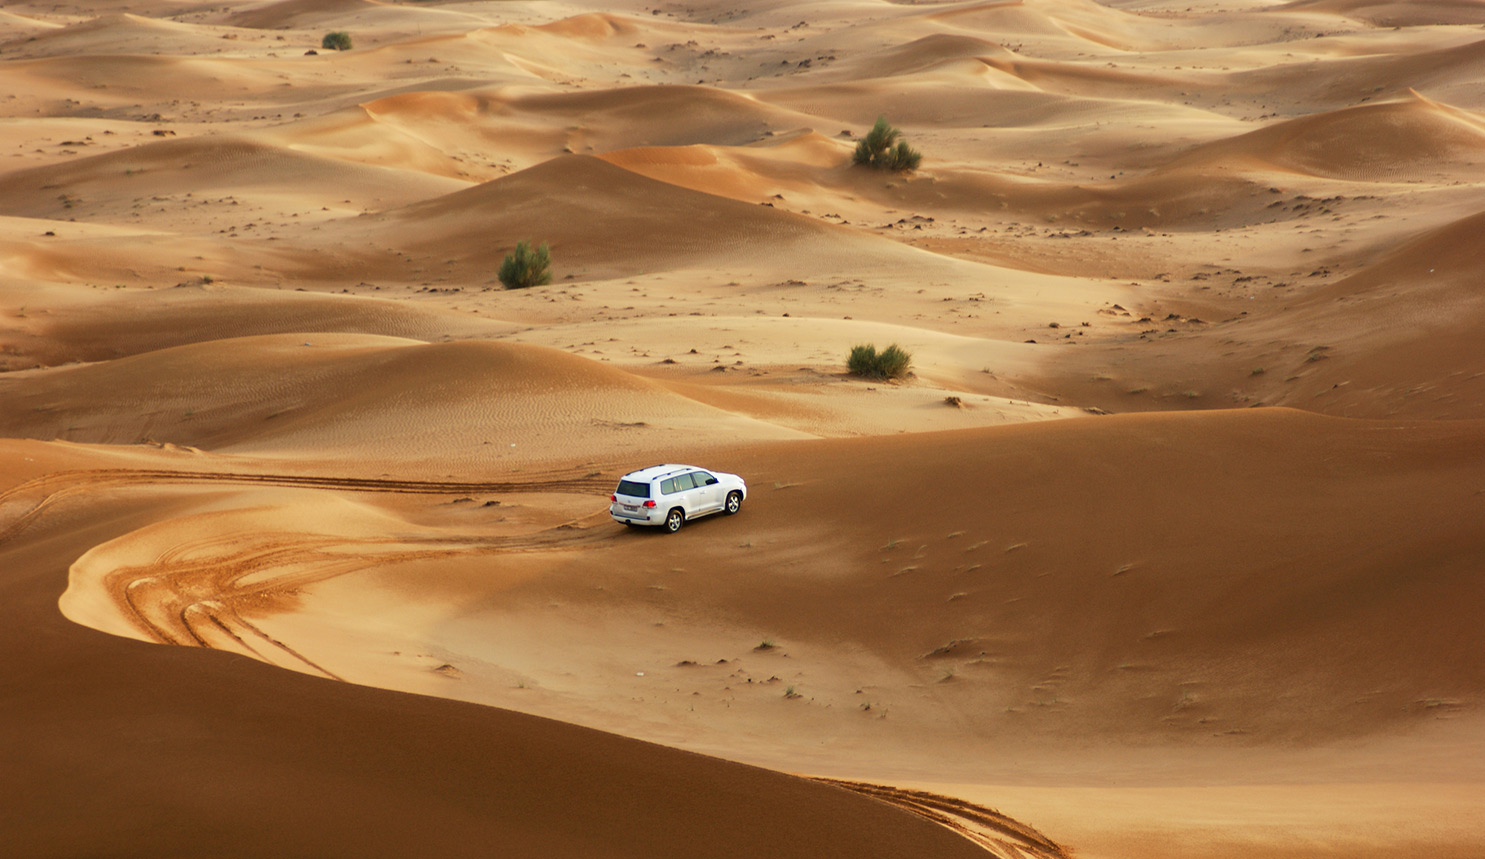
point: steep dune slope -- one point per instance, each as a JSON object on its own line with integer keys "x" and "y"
{"x": 1154, "y": 579}
{"x": 245, "y": 760}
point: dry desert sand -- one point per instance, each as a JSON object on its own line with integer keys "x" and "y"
{"x": 1171, "y": 545}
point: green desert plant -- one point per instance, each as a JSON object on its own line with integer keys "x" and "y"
{"x": 890, "y": 363}
{"x": 882, "y": 148}
{"x": 338, "y": 40}
{"x": 524, "y": 267}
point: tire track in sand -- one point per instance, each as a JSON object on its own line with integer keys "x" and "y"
{"x": 1002, "y": 836}
{"x": 198, "y": 593}
{"x": 193, "y": 594}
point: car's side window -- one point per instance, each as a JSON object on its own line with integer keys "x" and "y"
{"x": 683, "y": 482}
{"x": 704, "y": 479}
{"x": 668, "y": 486}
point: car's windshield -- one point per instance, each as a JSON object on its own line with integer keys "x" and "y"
{"x": 633, "y": 489}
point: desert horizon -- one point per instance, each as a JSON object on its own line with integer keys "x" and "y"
{"x": 1166, "y": 543}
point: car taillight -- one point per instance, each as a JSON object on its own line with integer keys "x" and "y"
{"x": 613, "y": 498}
{"x": 650, "y": 503}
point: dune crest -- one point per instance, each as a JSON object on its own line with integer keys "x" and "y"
{"x": 1391, "y": 142}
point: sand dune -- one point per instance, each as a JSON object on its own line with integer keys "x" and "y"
{"x": 291, "y": 13}
{"x": 470, "y": 776}
{"x": 1031, "y": 18}
{"x": 383, "y": 22}
{"x": 802, "y": 163}
{"x": 61, "y": 330}
{"x": 645, "y": 116}
{"x": 121, "y": 33}
{"x": 1421, "y": 361}
{"x": 920, "y": 55}
{"x": 262, "y": 392}
{"x": 1287, "y": 85}
{"x": 1075, "y": 25}
{"x": 1394, "y": 339}
{"x": 117, "y": 82}
{"x": 280, "y": 393}
{"x": 1393, "y": 14}
{"x": 15, "y": 27}
{"x": 1443, "y": 74}
{"x": 1392, "y": 142}
{"x": 1183, "y": 629}
{"x": 120, "y": 186}
{"x": 530, "y": 128}
{"x": 601, "y": 220}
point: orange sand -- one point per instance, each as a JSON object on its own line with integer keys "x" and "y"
{"x": 1169, "y": 546}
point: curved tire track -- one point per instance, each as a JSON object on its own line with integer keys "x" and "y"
{"x": 1002, "y": 836}
{"x": 197, "y": 589}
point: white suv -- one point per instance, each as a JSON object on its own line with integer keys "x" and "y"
{"x": 668, "y": 495}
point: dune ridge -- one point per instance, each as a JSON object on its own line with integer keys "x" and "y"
{"x": 600, "y": 220}
{"x": 1381, "y": 142}
{"x": 111, "y": 187}
{"x": 281, "y": 393}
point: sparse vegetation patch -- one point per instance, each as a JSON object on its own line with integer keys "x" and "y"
{"x": 524, "y": 267}
{"x": 890, "y": 363}
{"x": 884, "y": 149}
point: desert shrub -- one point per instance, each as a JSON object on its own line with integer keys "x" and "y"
{"x": 339, "y": 40}
{"x": 884, "y": 149}
{"x": 525, "y": 267}
{"x": 890, "y": 363}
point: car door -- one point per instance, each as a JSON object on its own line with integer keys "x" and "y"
{"x": 678, "y": 493}
{"x": 707, "y": 494}
{"x": 686, "y": 495}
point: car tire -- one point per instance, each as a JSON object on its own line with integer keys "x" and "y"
{"x": 675, "y": 519}
{"x": 733, "y": 503}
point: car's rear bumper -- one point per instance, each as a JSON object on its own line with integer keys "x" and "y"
{"x": 636, "y": 517}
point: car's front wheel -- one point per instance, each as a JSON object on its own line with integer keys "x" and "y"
{"x": 734, "y": 503}
{"x": 674, "y": 520}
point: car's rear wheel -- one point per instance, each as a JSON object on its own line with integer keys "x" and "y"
{"x": 674, "y": 520}
{"x": 734, "y": 503}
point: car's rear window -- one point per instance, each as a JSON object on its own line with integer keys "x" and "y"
{"x": 633, "y": 489}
